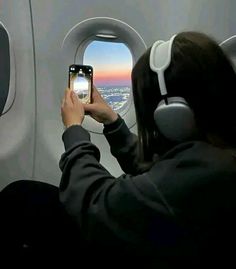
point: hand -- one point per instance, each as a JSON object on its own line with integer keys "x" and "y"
{"x": 72, "y": 110}
{"x": 99, "y": 109}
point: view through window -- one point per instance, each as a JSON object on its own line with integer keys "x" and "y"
{"x": 112, "y": 64}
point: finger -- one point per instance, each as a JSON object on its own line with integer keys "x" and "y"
{"x": 63, "y": 102}
{"x": 90, "y": 108}
{"x": 74, "y": 97}
{"x": 66, "y": 91}
{"x": 96, "y": 96}
{"x": 68, "y": 98}
{"x": 67, "y": 94}
{"x": 95, "y": 91}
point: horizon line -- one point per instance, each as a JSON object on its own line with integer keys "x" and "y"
{"x": 129, "y": 86}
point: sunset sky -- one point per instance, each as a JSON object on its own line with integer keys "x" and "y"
{"x": 112, "y": 63}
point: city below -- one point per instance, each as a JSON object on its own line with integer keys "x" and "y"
{"x": 115, "y": 96}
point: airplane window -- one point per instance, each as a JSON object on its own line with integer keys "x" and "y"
{"x": 112, "y": 63}
{"x": 4, "y": 68}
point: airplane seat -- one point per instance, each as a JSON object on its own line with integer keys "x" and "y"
{"x": 34, "y": 222}
{"x": 229, "y": 46}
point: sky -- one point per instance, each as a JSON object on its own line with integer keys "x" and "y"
{"x": 111, "y": 62}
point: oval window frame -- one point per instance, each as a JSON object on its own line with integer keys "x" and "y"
{"x": 100, "y": 28}
{"x": 12, "y": 81}
{"x": 229, "y": 47}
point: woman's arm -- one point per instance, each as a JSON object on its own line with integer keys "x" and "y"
{"x": 122, "y": 142}
{"x": 110, "y": 212}
{"x": 123, "y": 145}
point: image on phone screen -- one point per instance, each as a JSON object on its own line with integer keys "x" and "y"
{"x": 80, "y": 81}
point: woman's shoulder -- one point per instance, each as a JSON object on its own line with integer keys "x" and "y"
{"x": 194, "y": 171}
{"x": 201, "y": 152}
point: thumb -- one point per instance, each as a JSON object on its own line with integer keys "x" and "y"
{"x": 90, "y": 108}
{"x": 74, "y": 96}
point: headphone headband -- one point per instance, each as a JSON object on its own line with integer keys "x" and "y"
{"x": 173, "y": 116}
{"x": 160, "y": 59}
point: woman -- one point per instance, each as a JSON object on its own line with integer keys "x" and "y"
{"x": 178, "y": 209}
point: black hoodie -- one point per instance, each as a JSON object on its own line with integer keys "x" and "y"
{"x": 180, "y": 212}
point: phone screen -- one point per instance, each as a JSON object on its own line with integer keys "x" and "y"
{"x": 80, "y": 81}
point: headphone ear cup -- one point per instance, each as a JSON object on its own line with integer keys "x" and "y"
{"x": 175, "y": 120}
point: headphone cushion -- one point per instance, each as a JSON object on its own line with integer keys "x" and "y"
{"x": 175, "y": 120}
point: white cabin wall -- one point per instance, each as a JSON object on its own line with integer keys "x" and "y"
{"x": 17, "y": 126}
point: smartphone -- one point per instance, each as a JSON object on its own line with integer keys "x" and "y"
{"x": 81, "y": 81}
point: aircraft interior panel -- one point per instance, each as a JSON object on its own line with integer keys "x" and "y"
{"x": 229, "y": 46}
{"x": 4, "y": 67}
{"x": 17, "y": 121}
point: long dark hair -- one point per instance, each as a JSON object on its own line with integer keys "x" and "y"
{"x": 202, "y": 74}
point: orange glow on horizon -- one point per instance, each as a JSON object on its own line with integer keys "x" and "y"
{"x": 116, "y": 76}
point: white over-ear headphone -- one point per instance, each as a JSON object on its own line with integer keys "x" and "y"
{"x": 173, "y": 116}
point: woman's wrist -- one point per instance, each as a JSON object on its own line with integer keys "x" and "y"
{"x": 114, "y": 125}
{"x": 72, "y": 124}
{"x": 113, "y": 117}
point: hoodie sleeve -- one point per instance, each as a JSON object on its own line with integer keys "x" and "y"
{"x": 123, "y": 145}
{"x": 109, "y": 211}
